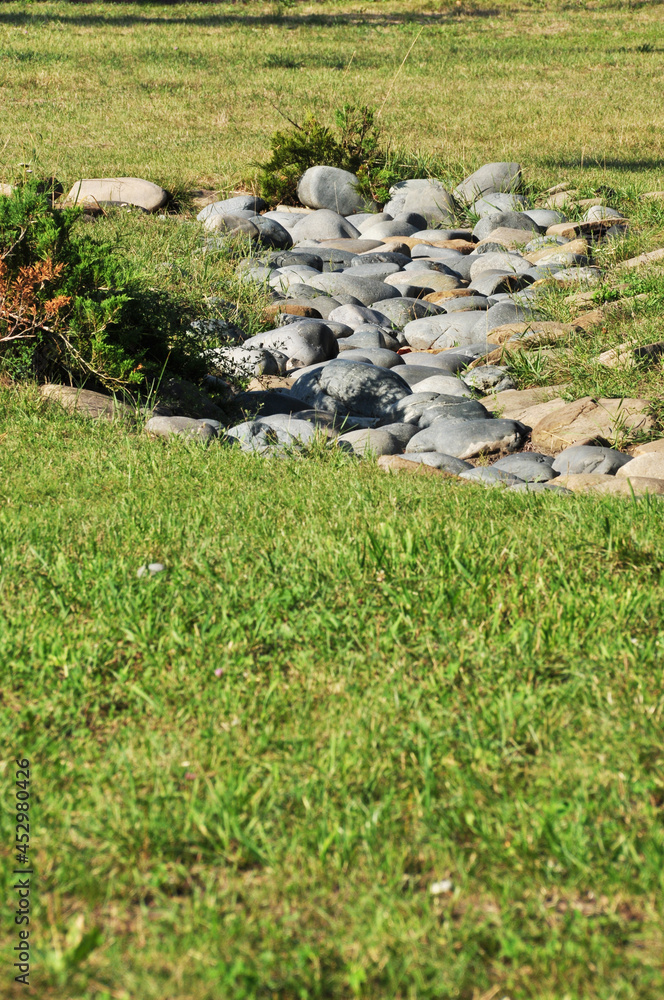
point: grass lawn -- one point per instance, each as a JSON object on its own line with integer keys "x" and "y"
{"x": 249, "y": 771}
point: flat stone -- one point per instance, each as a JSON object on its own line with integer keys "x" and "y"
{"x": 323, "y": 225}
{"x": 590, "y": 421}
{"x": 331, "y": 188}
{"x": 649, "y": 465}
{"x": 489, "y": 475}
{"x": 125, "y": 190}
{"x": 629, "y": 355}
{"x": 514, "y": 403}
{"x": 488, "y": 178}
{"x": 612, "y": 485}
{"x": 187, "y": 427}
{"x": 582, "y": 459}
{"x": 485, "y": 378}
{"x": 468, "y": 439}
{"x": 643, "y": 258}
{"x": 381, "y": 357}
{"x": 426, "y": 197}
{"x": 351, "y": 387}
{"x": 573, "y": 248}
{"x": 462, "y": 246}
{"x": 447, "y": 405}
{"x": 649, "y": 448}
{"x": 530, "y": 466}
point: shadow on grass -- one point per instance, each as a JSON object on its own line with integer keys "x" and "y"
{"x": 92, "y": 19}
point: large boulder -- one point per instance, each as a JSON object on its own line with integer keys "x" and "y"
{"x": 351, "y": 387}
{"x": 332, "y": 188}
{"x": 426, "y": 197}
{"x": 491, "y": 177}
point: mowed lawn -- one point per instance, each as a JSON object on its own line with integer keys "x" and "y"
{"x": 346, "y": 688}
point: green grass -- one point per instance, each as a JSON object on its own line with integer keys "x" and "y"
{"x": 419, "y": 682}
{"x": 184, "y": 94}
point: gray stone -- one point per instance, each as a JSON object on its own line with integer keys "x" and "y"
{"x": 392, "y": 228}
{"x": 378, "y": 271}
{"x": 442, "y": 382}
{"x": 150, "y": 570}
{"x": 499, "y": 201}
{"x": 505, "y": 220}
{"x": 381, "y": 357}
{"x": 489, "y": 178}
{"x": 425, "y": 359}
{"x": 585, "y": 458}
{"x": 544, "y": 217}
{"x": 367, "y": 337}
{"x": 489, "y": 475}
{"x": 330, "y": 188}
{"x": 451, "y": 408}
{"x": 365, "y": 220}
{"x": 308, "y": 341}
{"x": 323, "y": 225}
{"x": 380, "y": 257}
{"x": 295, "y": 258}
{"x": 271, "y": 234}
{"x": 231, "y": 225}
{"x": 469, "y": 303}
{"x": 434, "y": 280}
{"x": 200, "y": 430}
{"x": 422, "y": 333}
{"x": 229, "y": 206}
{"x": 426, "y": 197}
{"x": 507, "y": 261}
{"x": 351, "y": 387}
{"x": 544, "y": 243}
{"x": 447, "y": 463}
{"x": 596, "y": 213}
{"x": 400, "y": 311}
{"x": 529, "y": 466}
{"x": 466, "y": 439}
{"x": 355, "y": 316}
{"x": 390, "y": 439}
{"x": 499, "y": 315}
{"x": 365, "y": 290}
{"x": 488, "y": 377}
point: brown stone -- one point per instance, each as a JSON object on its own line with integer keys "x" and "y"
{"x": 89, "y": 404}
{"x": 399, "y": 463}
{"x": 453, "y": 293}
{"x": 559, "y": 199}
{"x": 643, "y": 258}
{"x": 513, "y": 403}
{"x": 628, "y": 355}
{"x": 463, "y": 246}
{"x": 596, "y": 317}
{"x": 508, "y": 238}
{"x": 535, "y": 332}
{"x": 649, "y": 448}
{"x": 579, "y": 246}
{"x": 612, "y": 485}
{"x": 650, "y": 466}
{"x": 291, "y": 308}
{"x": 659, "y": 195}
{"x": 590, "y": 421}
{"x": 572, "y": 230}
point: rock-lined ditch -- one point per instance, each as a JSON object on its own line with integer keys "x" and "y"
{"x": 391, "y": 328}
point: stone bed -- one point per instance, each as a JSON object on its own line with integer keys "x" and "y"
{"x": 392, "y": 330}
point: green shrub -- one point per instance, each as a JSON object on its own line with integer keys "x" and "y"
{"x": 354, "y": 142}
{"x": 68, "y": 305}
